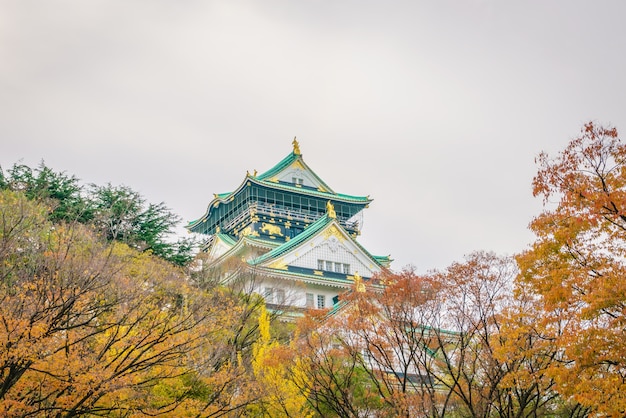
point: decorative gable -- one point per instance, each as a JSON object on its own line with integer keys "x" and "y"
{"x": 293, "y": 170}
{"x": 300, "y": 175}
{"x": 328, "y": 249}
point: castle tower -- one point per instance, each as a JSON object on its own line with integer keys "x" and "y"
{"x": 293, "y": 231}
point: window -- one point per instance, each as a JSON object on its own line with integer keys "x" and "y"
{"x": 335, "y": 300}
{"x": 268, "y": 294}
{"x": 280, "y": 296}
{"x": 333, "y": 266}
{"x": 310, "y": 300}
{"x": 297, "y": 180}
{"x": 321, "y": 301}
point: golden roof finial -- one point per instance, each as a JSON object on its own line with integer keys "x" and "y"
{"x": 358, "y": 282}
{"x": 296, "y": 146}
{"x": 255, "y": 172}
{"x": 330, "y": 210}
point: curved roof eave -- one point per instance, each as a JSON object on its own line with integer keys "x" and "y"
{"x": 241, "y": 242}
{"x": 218, "y": 198}
{"x": 322, "y": 281}
{"x": 309, "y": 278}
{"x": 225, "y": 197}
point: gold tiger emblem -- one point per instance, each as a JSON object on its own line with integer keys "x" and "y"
{"x": 271, "y": 229}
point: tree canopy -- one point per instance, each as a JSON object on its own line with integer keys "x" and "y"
{"x": 120, "y": 213}
{"x": 577, "y": 265}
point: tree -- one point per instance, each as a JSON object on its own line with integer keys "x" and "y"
{"x": 274, "y": 365}
{"x": 122, "y": 214}
{"x": 498, "y": 364}
{"x": 59, "y": 191}
{"x": 93, "y": 327}
{"x": 119, "y": 212}
{"x": 446, "y": 343}
{"x": 576, "y": 267}
{"x": 330, "y": 374}
{"x": 395, "y": 334}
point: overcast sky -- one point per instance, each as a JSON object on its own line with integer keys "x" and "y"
{"x": 436, "y": 108}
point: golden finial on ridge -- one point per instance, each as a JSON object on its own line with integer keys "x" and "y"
{"x": 330, "y": 210}
{"x": 296, "y": 146}
{"x": 358, "y": 282}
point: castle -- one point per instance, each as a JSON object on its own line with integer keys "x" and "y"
{"x": 293, "y": 232}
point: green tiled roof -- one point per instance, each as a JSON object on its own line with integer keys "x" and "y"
{"x": 284, "y": 163}
{"x": 227, "y": 239}
{"x": 334, "y": 197}
{"x": 313, "y": 192}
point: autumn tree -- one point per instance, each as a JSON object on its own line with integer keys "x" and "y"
{"x": 89, "y": 326}
{"x": 279, "y": 376}
{"x": 330, "y": 374}
{"x": 392, "y": 331}
{"x": 576, "y": 267}
{"x": 497, "y": 366}
{"x": 456, "y": 342}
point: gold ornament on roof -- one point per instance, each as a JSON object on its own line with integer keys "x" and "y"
{"x": 279, "y": 265}
{"x": 333, "y": 231}
{"x": 330, "y": 210}
{"x": 296, "y": 146}
{"x": 358, "y": 283}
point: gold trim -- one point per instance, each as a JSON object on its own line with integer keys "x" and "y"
{"x": 333, "y": 231}
{"x": 297, "y": 164}
{"x": 318, "y": 273}
{"x": 279, "y": 265}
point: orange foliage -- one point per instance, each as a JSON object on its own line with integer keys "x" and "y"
{"x": 577, "y": 267}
